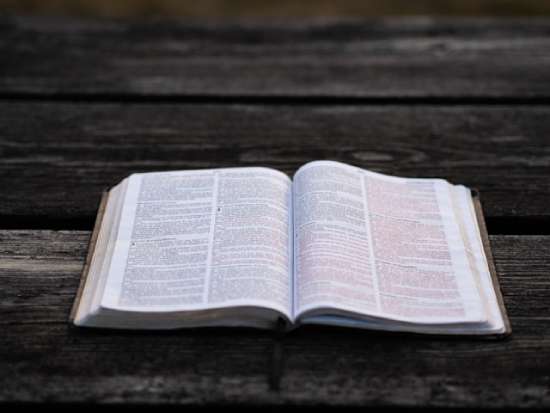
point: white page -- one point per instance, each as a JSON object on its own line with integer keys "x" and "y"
{"x": 476, "y": 253}
{"x": 380, "y": 246}
{"x": 191, "y": 240}
{"x": 332, "y": 249}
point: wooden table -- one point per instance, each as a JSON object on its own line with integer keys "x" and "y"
{"x": 85, "y": 103}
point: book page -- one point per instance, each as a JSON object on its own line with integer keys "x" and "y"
{"x": 203, "y": 239}
{"x": 381, "y": 246}
{"x": 332, "y": 249}
{"x": 478, "y": 261}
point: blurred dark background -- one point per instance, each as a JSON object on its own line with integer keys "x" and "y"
{"x": 278, "y": 8}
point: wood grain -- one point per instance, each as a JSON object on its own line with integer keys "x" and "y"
{"x": 43, "y": 359}
{"x": 58, "y": 157}
{"x": 84, "y": 103}
{"x": 390, "y": 58}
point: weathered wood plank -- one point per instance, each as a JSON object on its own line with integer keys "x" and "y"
{"x": 42, "y": 358}
{"x": 58, "y": 157}
{"x": 412, "y": 57}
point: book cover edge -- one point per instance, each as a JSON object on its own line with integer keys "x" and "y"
{"x": 490, "y": 262}
{"x": 89, "y": 255}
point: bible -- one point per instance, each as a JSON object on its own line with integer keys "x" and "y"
{"x": 250, "y": 247}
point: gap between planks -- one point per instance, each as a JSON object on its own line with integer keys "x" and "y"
{"x": 274, "y": 100}
{"x": 495, "y": 225}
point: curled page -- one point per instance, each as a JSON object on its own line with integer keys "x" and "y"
{"x": 380, "y": 246}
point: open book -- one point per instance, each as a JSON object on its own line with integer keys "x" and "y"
{"x": 337, "y": 245}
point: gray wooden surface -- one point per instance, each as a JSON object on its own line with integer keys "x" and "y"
{"x": 374, "y": 58}
{"x": 90, "y": 146}
{"x": 84, "y": 103}
{"x": 45, "y": 359}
